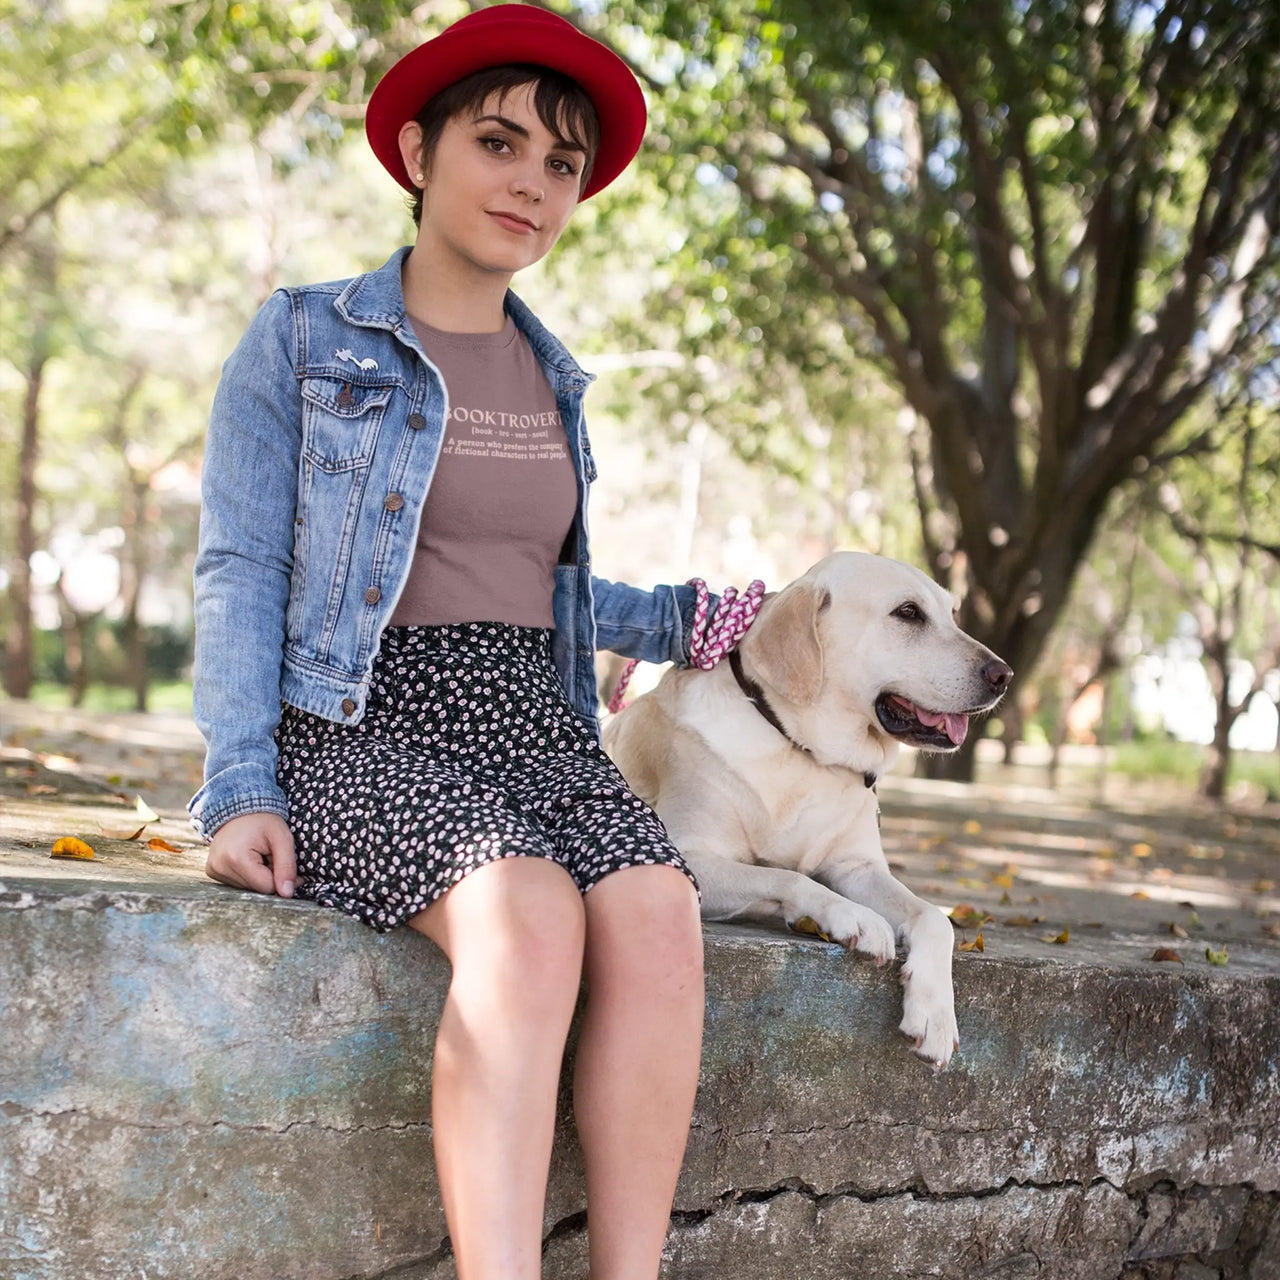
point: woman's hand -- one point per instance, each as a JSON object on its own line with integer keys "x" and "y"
{"x": 253, "y": 851}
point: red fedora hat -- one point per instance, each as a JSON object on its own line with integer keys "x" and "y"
{"x": 493, "y": 37}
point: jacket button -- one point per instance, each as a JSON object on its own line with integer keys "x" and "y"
{"x": 417, "y": 421}
{"x": 372, "y": 596}
{"x": 393, "y": 502}
{"x": 348, "y": 707}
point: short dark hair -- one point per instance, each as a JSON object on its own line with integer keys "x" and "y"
{"x": 561, "y": 102}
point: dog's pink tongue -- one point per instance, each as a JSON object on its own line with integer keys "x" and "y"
{"x": 956, "y": 727}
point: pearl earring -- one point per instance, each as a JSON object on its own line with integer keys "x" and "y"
{"x": 419, "y": 177}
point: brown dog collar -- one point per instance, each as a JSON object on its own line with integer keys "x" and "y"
{"x": 754, "y": 694}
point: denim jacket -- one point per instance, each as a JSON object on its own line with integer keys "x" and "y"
{"x": 322, "y": 442}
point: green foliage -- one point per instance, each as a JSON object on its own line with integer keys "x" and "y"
{"x": 1160, "y": 757}
{"x": 163, "y": 695}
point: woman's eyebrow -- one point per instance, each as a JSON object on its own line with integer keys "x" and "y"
{"x": 565, "y": 144}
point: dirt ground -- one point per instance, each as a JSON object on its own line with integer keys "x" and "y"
{"x": 1101, "y": 871}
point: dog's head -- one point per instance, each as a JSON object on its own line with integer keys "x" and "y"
{"x": 863, "y": 653}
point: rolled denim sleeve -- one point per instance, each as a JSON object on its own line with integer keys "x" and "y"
{"x": 244, "y": 562}
{"x": 654, "y": 626}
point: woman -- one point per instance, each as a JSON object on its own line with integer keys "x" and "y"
{"x": 395, "y": 635}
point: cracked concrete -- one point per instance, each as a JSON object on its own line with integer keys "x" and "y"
{"x": 195, "y": 1082}
{"x": 198, "y": 1082}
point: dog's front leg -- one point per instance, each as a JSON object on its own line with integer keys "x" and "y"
{"x": 929, "y": 1014}
{"x": 742, "y": 890}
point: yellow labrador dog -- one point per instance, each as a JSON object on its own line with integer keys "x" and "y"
{"x": 763, "y": 768}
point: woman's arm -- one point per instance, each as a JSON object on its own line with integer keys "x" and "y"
{"x": 243, "y": 566}
{"x": 654, "y": 626}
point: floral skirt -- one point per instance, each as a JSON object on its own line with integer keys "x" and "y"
{"x": 469, "y": 751}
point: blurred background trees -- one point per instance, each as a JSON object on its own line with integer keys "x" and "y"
{"x": 987, "y": 286}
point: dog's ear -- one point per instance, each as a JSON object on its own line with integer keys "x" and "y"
{"x": 783, "y": 644}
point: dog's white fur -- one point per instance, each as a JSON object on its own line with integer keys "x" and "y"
{"x": 776, "y": 832}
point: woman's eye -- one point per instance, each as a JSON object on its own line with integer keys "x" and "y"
{"x": 494, "y": 143}
{"x": 566, "y": 167}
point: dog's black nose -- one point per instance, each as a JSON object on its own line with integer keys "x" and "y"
{"x": 997, "y": 674}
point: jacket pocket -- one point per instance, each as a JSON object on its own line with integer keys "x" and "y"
{"x": 340, "y": 421}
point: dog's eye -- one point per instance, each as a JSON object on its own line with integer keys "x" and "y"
{"x": 909, "y": 612}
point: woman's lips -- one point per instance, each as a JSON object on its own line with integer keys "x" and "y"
{"x": 513, "y": 222}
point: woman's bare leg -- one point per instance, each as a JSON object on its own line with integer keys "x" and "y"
{"x": 637, "y": 1063}
{"x": 513, "y": 931}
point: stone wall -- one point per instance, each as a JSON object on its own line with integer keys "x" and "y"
{"x": 201, "y": 1083}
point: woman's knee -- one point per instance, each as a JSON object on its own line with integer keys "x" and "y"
{"x": 643, "y": 925}
{"x": 516, "y": 925}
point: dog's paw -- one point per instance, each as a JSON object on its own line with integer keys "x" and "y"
{"x": 929, "y": 1019}
{"x": 859, "y": 929}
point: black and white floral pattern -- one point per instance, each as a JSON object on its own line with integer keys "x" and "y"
{"x": 468, "y": 752}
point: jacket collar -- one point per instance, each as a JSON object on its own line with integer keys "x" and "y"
{"x": 375, "y": 300}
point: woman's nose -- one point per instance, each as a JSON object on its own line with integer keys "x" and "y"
{"x": 529, "y": 185}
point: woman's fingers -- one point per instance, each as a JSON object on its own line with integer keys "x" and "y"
{"x": 283, "y": 867}
{"x": 253, "y": 851}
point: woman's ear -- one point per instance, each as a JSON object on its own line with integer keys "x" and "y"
{"x": 411, "y": 151}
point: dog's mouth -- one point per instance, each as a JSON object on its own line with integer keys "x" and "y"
{"x": 930, "y": 730}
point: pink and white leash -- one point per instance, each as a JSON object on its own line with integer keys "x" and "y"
{"x": 710, "y": 638}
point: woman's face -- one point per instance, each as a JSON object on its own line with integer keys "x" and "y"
{"x": 501, "y": 186}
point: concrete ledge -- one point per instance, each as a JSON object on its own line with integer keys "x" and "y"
{"x": 198, "y": 1082}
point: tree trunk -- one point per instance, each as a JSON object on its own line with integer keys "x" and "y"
{"x": 135, "y": 566}
{"x": 955, "y": 766}
{"x": 19, "y": 667}
{"x": 75, "y": 648}
{"x": 1213, "y": 781}
{"x": 1010, "y": 713}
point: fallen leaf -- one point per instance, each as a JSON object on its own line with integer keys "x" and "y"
{"x": 1106, "y": 851}
{"x": 70, "y": 847}
{"x": 1141, "y": 850}
{"x": 967, "y": 916}
{"x": 1176, "y": 929}
{"x": 1139, "y": 893}
{"x": 1272, "y": 930}
{"x": 1263, "y": 886}
{"x": 969, "y": 882}
{"x": 41, "y": 789}
{"x": 1024, "y": 922}
{"x": 1005, "y": 899}
{"x": 1003, "y": 881}
{"x": 972, "y": 827}
{"x": 975, "y": 945}
{"x": 807, "y": 924}
{"x": 59, "y": 762}
{"x": 145, "y": 812}
{"x": 121, "y": 833}
{"x": 161, "y": 845}
{"x": 1193, "y": 921}
{"x": 1216, "y": 957}
{"x": 1166, "y": 953}
{"x": 1062, "y": 939}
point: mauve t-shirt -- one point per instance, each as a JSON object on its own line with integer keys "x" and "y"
{"x": 503, "y": 495}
